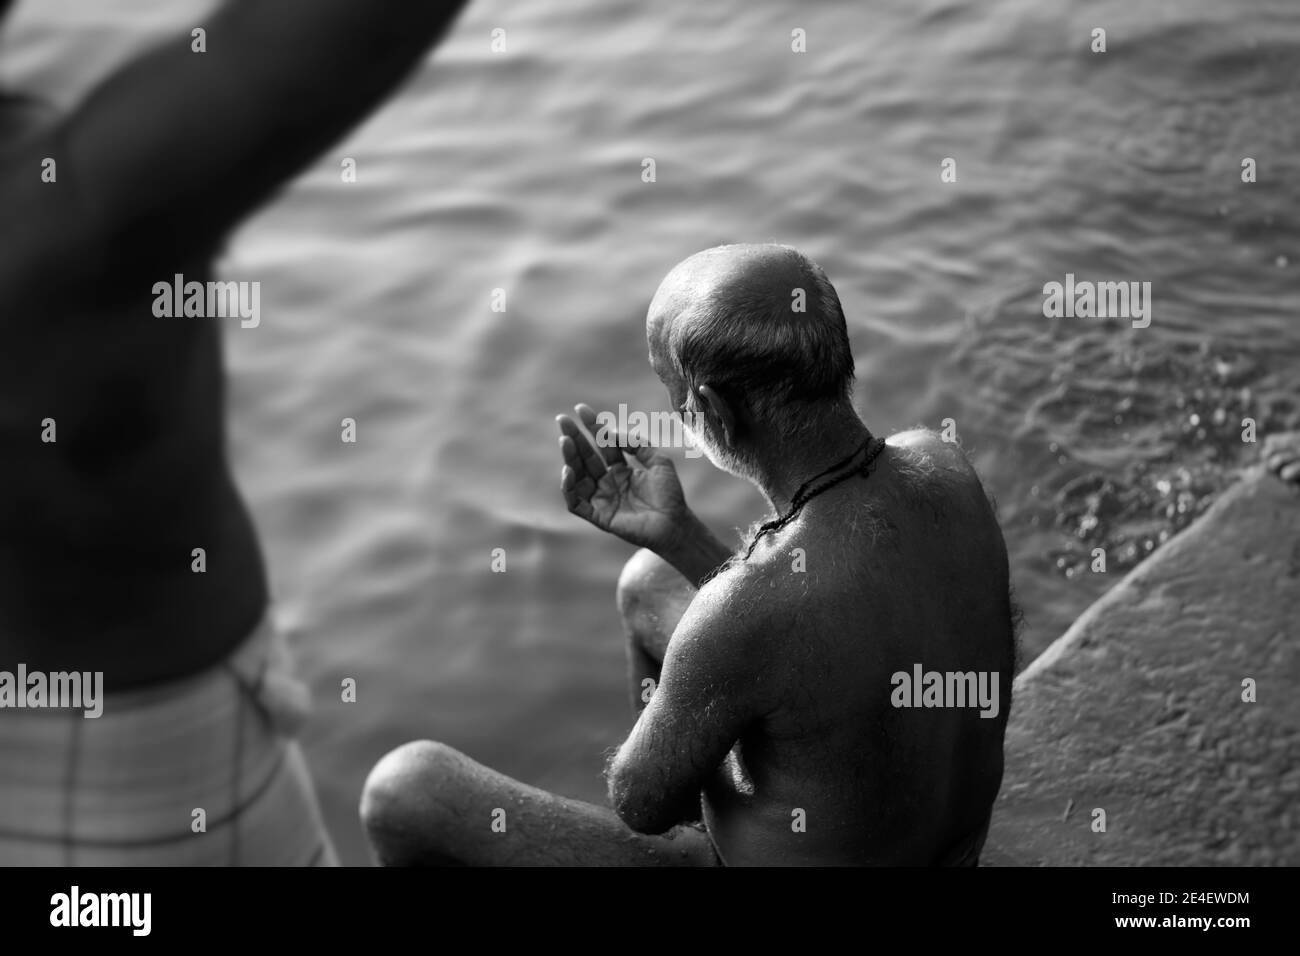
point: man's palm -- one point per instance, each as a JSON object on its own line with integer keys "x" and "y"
{"x": 638, "y": 505}
{"x": 641, "y": 503}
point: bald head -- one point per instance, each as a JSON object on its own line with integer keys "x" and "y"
{"x": 759, "y": 324}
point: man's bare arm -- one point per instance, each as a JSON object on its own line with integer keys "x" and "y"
{"x": 713, "y": 685}
{"x": 177, "y": 147}
{"x": 696, "y": 553}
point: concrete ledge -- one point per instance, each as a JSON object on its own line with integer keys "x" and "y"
{"x": 1138, "y": 710}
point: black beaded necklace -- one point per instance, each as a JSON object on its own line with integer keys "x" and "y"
{"x": 872, "y": 446}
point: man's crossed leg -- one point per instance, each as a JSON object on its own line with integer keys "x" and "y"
{"x": 427, "y": 804}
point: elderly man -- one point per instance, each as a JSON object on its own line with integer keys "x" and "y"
{"x": 834, "y": 693}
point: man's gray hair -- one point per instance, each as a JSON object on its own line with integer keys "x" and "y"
{"x": 751, "y": 346}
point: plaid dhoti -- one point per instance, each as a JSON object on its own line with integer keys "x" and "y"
{"x": 198, "y": 772}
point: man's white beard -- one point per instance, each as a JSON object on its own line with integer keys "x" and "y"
{"x": 715, "y": 452}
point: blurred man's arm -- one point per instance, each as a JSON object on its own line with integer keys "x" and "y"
{"x": 177, "y": 147}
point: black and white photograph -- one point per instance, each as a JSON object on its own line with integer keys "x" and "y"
{"x": 606, "y": 434}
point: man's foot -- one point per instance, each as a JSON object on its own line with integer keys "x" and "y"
{"x": 1281, "y": 455}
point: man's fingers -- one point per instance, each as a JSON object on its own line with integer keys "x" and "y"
{"x": 1291, "y": 472}
{"x": 585, "y": 457}
{"x": 583, "y": 484}
{"x": 612, "y": 448}
{"x": 645, "y": 454}
{"x": 639, "y": 445}
{"x": 576, "y": 502}
{"x": 569, "y": 454}
{"x": 610, "y": 452}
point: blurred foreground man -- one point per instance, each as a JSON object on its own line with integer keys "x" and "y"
{"x": 131, "y": 580}
{"x": 835, "y": 693}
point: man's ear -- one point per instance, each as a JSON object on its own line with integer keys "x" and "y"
{"x": 721, "y": 410}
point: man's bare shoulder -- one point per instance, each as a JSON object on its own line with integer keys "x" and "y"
{"x": 926, "y": 460}
{"x": 722, "y": 649}
{"x": 938, "y": 479}
{"x": 740, "y": 605}
{"x": 923, "y": 443}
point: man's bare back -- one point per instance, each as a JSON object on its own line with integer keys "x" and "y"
{"x": 882, "y": 584}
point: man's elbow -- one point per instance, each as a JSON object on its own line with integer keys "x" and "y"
{"x": 639, "y": 808}
{"x": 644, "y": 817}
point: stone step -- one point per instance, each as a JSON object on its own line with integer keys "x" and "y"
{"x": 1137, "y": 710}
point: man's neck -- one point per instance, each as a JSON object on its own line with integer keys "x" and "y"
{"x": 789, "y": 463}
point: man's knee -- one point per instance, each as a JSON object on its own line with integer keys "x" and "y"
{"x": 637, "y": 583}
{"x": 652, "y": 595}
{"x": 400, "y": 809}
